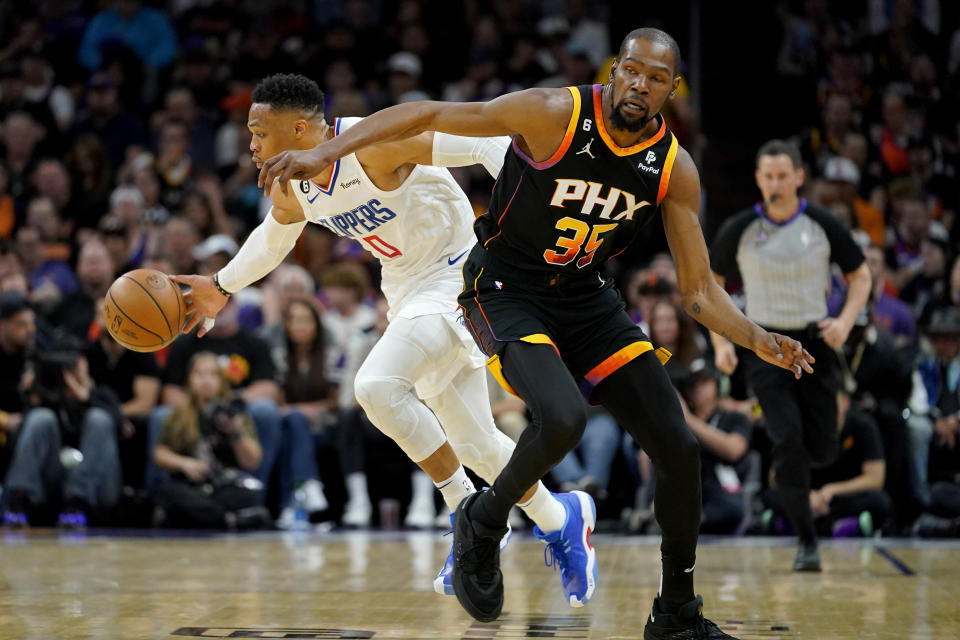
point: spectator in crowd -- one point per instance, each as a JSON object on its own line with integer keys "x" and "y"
{"x": 89, "y": 163}
{"x": 917, "y": 262}
{"x": 346, "y": 315}
{"x": 309, "y": 399}
{"x": 43, "y": 216}
{"x": 147, "y": 182}
{"x": 672, "y": 329}
{"x": 174, "y": 164}
{"x": 17, "y": 332}
{"x": 935, "y": 443}
{"x": 724, "y": 447}
{"x": 877, "y": 376}
{"x": 52, "y": 180}
{"x": 889, "y": 312}
{"x": 67, "y": 409}
{"x": 209, "y": 447}
{"x": 844, "y": 177}
{"x": 179, "y": 105}
{"x": 21, "y": 134}
{"x": 50, "y": 280}
{"x": 145, "y": 30}
{"x": 848, "y": 496}
{"x": 214, "y": 253}
{"x": 179, "y": 237}
{"x": 203, "y": 205}
{"x": 105, "y": 119}
{"x": 76, "y": 313}
{"x": 40, "y": 86}
{"x": 113, "y": 234}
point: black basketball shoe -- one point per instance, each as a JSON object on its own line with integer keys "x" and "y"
{"x": 477, "y": 580}
{"x": 686, "y": 624}
{"x": 808, "y": 557}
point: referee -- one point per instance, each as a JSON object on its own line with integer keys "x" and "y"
{"x": 781, "y": 249}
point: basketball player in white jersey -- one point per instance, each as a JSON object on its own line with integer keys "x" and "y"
{"x": 418, "y": 222}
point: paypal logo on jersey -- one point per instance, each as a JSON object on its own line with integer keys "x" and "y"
{"x": 360, "y": 221}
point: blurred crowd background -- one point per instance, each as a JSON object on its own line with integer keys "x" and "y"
{"x": 123, "y": 144}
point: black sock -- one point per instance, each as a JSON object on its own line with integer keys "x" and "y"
{"x": 677, "y": 587}
{"x": 490, "y": 511}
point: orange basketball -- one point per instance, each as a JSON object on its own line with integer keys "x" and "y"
{"x": 144, "y": 310}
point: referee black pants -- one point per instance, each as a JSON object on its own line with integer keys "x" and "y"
{"x": 801, "y": 420}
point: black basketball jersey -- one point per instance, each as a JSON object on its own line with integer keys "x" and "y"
{"x": 585, "y": 203}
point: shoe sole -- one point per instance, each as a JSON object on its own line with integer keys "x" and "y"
{"x": 588, "y": 511}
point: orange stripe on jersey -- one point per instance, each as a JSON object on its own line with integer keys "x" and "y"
{"x": 613, "y": 146}
{"x": 667, "y": 168}
{"x": 567, "y": 137}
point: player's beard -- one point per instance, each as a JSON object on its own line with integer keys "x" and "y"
{"x": 618, "y": 121}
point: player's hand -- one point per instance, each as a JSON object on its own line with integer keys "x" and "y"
{"x": 295, "y": 165}
{"x": 834, "y": 331}
{"x": 725, "y": 357}
{"x": 785, "y": 353}
{"x": 203, "y": 301}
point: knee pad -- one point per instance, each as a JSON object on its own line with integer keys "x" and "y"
{"x": 391, "y": 406}
{"x": 380, "y": 395}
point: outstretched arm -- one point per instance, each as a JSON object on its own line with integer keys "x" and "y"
{"x": 538, "y": 116}
{"x": 264, "y": 249}
{"x": 702, "y": 297}
{"x": 439, "y": 150}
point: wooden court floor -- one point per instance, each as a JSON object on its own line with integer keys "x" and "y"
{"x": 378, "y": 585}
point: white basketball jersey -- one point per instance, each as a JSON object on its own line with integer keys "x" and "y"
{"x": 420, "y": 232}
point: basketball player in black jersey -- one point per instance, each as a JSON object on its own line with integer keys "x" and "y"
{"x": 589, "y": 166}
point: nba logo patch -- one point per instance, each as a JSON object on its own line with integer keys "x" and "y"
{"x": 498, "y": 284}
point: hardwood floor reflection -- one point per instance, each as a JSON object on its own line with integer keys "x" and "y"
{"x": 372, "y": 585}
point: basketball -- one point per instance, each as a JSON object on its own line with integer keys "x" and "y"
{"x": 144, "y": 310}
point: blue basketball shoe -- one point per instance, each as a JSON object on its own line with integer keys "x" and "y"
{"x": 569, "y": 548}
{"x": 442, "y": 583}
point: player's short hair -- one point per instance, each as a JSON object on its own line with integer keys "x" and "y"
{"x": 653, "y": 35}
{"x": 781, "y": 148}
{"x": 290, "y": 91}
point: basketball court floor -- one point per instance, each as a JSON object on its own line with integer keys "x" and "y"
{"x": 378, "y": 585}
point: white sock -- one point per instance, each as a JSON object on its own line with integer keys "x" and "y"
{"x": 545, "y": 510}
{"x": 455, "y": 488}
{"x": 357, "y": 488}
{"x": 421, "y": 487}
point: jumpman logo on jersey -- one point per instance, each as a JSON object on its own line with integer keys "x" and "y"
{"x": 586, "y": 149}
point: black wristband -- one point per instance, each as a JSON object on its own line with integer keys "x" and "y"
{"x": 216, "y": 283}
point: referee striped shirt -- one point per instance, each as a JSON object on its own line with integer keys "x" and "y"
{"x": 784, "y": 266}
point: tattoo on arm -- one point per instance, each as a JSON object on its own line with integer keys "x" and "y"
{"x": 696, "y": 307}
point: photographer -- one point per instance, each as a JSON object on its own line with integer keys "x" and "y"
{"x": 69, "y": 410}
{"x": 208, "y": 445}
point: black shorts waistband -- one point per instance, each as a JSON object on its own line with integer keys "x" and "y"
{"x": 535, "y": 278}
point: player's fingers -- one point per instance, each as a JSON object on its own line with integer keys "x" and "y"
{"x": 808, "y": 356}
{"x": 192, "y": 321}
{"x": 265, "y": 179}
